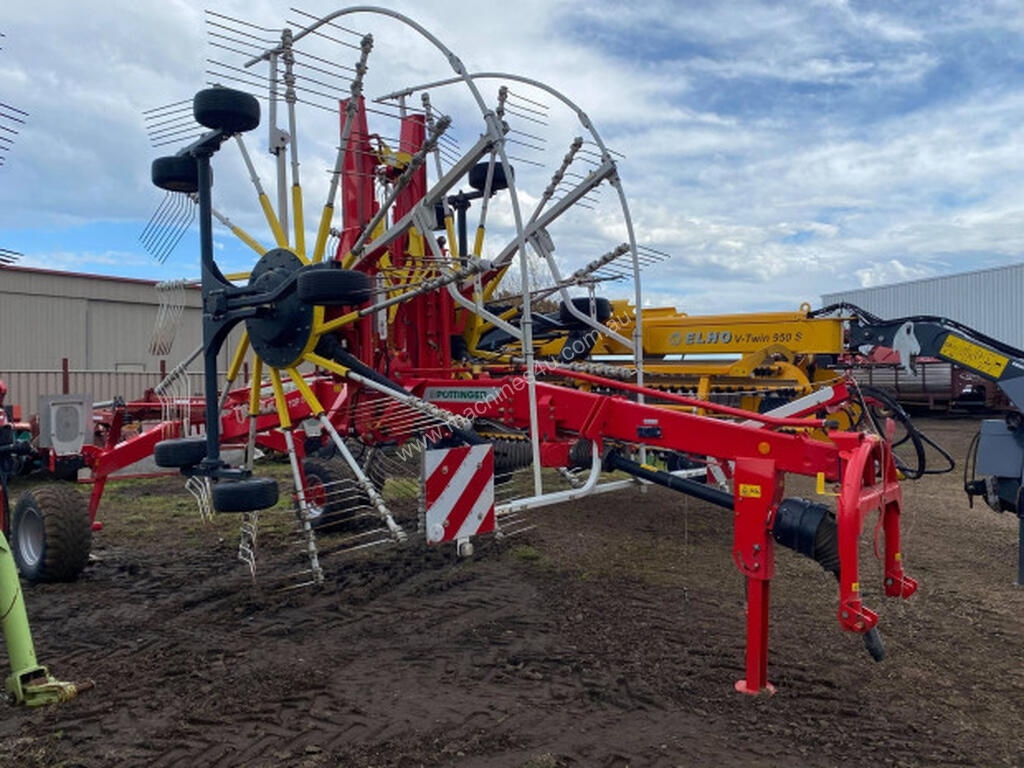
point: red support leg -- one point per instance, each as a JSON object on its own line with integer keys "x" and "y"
{"x": 757, "y": 491}
{"x": 756, "y": 681}
{"x": 94, "y": 502}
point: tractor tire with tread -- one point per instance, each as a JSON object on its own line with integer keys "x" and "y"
{"x": 51, "y": 533}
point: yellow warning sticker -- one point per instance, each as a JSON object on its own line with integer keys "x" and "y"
{"x": 973, "y": 356}
{"x": 750, "y": 491}
{"x": 855, "y": 587}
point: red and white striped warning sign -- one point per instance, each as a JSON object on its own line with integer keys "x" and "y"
{"x": 459, "y": 492}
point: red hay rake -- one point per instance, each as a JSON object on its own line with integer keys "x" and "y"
{"x": 379, "y": 340}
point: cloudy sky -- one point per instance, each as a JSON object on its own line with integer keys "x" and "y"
{"x": 777, "y": 150}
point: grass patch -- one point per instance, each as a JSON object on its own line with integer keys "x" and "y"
{"x": 527, "y": 552}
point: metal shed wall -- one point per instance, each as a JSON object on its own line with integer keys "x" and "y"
{"x": 100, "y": 324}
{"x": 988, "y": 300}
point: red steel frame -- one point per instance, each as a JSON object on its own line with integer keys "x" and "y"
{"x": 862, "y": 464}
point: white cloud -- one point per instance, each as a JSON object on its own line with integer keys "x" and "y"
{"x": 898, "y": 170}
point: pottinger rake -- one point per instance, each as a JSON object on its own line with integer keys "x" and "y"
{"x": 379, "y": 343}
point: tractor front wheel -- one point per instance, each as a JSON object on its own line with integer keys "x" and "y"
{"x": 51, "y": 534}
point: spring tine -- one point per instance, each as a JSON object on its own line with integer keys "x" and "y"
{"x": 153, "y": 121}
{"x": 239, "y": 70}
{"x": 163, "y": 107}
{"x": 524, "y": 160}
{"x": 384, "y": 113}
{"x": 260, "y": 86}
{"x": 231, "y": 39}
{"x": 158, "y": 144}
{"x": 302, "y": 78}
{"x": 530, "y": 110}
{"x": 159, "y": 234}
{"x": 155, "y": 218}
{"x": 512, "y": 112}
{"x": 237, "y": 36}
{"x": 343, "y": 75}
{"x": 166, "y": 232}
{"x": 173, "y": 131}
{"x": 516, "y": 131}
{"x": 244, "y": 23}
{"x": 15, "y": 118}
{"x": 661, "y": 254}
{"x": 520, "y": 97}
{"x": 167, "y": 226}
{"x": 325, "y": 36}
{"x": 334, "y": 24}
{"x": 367, "y": 545}
{"x": 183, "y": 226}
{"x": 228, "y": 48}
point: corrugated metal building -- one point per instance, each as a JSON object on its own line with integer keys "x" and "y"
{"x": 988, "y": 300}
{"x": 101, "y": 325}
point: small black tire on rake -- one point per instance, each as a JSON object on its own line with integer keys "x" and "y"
{"x": 245, "y": 495}
{"x": 334, "y": 287}
{"x": 182, "y": 452}
{"x": 176, "y": 173}
{"x": 582, "y": 303}
{"x": 225, "y": 109}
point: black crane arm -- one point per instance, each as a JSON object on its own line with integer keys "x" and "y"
{"x": 943, "y": 339}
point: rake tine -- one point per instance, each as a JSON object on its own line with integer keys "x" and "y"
{"x": 156, "y": 220}
{"x": 368, "y": 545}
{"x": 334, "y": 24}
{"x": 170, "y": 115}
{"x": 164, "y": 234}
{"x": 243, "y": 22}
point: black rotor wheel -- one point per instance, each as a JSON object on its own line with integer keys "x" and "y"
{"x": 281, "y": 331}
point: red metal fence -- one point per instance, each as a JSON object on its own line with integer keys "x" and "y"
{"x": 24, "y": 387}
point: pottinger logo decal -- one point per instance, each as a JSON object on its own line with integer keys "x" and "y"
{"x": 460, "y": 394}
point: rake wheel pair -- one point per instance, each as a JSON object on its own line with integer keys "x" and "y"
{"x": 219, "y": 109}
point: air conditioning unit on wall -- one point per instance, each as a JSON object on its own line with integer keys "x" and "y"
{"x": 65, "y": 422}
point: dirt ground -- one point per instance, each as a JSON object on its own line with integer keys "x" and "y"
{"x": 609, "y": 635}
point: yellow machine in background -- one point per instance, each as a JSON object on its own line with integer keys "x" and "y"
{"x": 752, "y": 359}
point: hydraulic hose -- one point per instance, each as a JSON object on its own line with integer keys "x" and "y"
{"x": 917, "y": 439}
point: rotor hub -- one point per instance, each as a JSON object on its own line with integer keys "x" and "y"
{"x": 281, "y": 331}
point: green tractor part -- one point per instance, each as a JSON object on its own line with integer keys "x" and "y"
{"x": 30, "y": 683}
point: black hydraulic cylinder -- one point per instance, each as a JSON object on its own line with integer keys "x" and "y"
{"x": 616, "y": 460}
